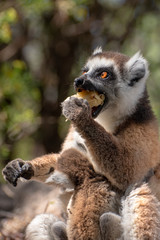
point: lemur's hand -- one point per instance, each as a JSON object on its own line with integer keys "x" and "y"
{"x": 16, "y": 169}
{"x": 75, "y": 109}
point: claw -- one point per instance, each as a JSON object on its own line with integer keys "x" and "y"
{"x": 27, "y": 171}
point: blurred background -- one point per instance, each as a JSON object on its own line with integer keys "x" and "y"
{"x": 44, "y": 44}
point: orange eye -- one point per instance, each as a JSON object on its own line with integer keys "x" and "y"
{"x": 104, "y": 74}
{"x": 83, "y": 73}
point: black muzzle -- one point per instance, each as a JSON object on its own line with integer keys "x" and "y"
{"x": 83, "y": 83}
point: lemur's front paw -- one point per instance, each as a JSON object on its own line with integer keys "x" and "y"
{"x": 76, "y": 108}
{"x": 16, "y": 169}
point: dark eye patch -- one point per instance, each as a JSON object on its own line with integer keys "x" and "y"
{"x": 99, "y": 71}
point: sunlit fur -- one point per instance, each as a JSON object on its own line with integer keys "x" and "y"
{"x": 141, "y": 215}
{"x": 121, "y": 143}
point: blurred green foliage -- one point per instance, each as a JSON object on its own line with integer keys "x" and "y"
{"x": 19, "y": 101}
{"x": 43, "y": 45}
{"x": 7, "y": 18}
{"x": 34, "y": 8}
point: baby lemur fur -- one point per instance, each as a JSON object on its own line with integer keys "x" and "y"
{"x": 92, "y": 212}
{"x": 93, "y": 195}
{"x": 119, "y": 138}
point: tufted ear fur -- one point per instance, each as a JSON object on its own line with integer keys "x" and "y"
{"x": 97, "y": 50}
{"x": 137, "y": 68}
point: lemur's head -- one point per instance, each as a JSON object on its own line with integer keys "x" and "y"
{"x": 120, "y": 78}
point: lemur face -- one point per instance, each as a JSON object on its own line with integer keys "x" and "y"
{"x": 113, "y": 74}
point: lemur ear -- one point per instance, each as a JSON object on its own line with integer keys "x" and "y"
{"x": 97, "y": 50}
{"x": 137, "y": 68}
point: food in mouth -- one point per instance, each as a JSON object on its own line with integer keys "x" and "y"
{"x": 94, "y": 98}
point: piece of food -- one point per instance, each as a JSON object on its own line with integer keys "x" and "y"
{"x": 94, "y": 98}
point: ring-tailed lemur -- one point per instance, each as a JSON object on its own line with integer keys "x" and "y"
{"x": 120, "y": 137}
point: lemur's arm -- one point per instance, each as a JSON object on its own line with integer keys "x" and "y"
{"x": 117, "y": 157}
{"x": 38, "y": 169}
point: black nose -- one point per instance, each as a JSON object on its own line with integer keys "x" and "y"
{"x": 78, "y": 82}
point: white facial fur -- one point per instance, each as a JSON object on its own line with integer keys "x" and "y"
{"x": 124, "y": 104}
{"x": 98, "y": 62}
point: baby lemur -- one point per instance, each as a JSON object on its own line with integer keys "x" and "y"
{"x": 93, "y": 195}
{"x": 94, "y": 212}
{"x": 119, "y": 137}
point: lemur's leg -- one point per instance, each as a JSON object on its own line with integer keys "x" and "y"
{"x": 59, "y": 231}
{"x": 110, "y": 225}
{"x": 141, "y": 215}
{"x": 139, "y": 220}
{"x": 38, "y": 169}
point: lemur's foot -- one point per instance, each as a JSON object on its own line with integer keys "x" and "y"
{"x": 75, "y": 109}
{"x": 110, "y": 226}
{"x": 16, "y": 169}
{"x": 59, "y": 231}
